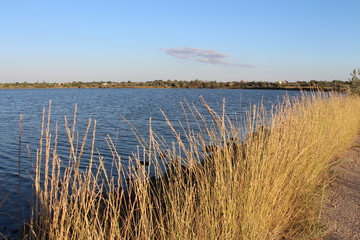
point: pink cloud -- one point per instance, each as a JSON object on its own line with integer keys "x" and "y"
{"x": 210, "y": 56}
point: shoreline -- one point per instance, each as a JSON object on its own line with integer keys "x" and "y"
{"x": 142, "y": 87}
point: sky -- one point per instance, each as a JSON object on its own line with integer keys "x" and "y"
{"x": 133, "y": 40}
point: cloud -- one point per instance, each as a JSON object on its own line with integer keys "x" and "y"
{"x": 210, "y": 56}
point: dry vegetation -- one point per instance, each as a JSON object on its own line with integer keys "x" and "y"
{"x": 216, "y": 186}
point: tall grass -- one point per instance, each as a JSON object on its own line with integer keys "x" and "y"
{"x": 262, "y": 178}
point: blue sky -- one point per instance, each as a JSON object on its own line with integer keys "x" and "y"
{"x": 259, "y": 40}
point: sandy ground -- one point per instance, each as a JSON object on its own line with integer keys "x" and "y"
{"x": 343, "y": 205}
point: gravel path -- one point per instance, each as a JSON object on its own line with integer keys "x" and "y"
{"x": 343, "y": 207}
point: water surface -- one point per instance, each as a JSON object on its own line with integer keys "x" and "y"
{"x": 108, "y": 107}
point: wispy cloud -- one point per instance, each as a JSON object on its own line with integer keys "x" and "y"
{"x": 202, "y": 55}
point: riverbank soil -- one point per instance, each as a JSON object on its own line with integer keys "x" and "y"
{"x": 343, "y": 204}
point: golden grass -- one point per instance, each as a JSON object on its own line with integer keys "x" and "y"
{"x": 217, "y": 186}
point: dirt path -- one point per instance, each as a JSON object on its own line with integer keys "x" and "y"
{"x": 343, "y": 208}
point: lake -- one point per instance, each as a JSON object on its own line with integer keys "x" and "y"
{"x": 109, "y": 107}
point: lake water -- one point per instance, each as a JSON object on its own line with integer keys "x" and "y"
{"x": 106, "y": 106}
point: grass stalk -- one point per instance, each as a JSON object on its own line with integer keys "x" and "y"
{"x": 215, "y": 183}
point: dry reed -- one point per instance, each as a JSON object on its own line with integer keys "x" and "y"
{"x": 218, "y": 183}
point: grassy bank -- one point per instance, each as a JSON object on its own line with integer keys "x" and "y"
{"x": 259, "y": 179}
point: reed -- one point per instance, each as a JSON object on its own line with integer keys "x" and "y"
{"x": 261, "y": 178}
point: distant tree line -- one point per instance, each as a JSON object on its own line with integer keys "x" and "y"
{"x": 355, "y": 82}
{"x": 335, "y": 85}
